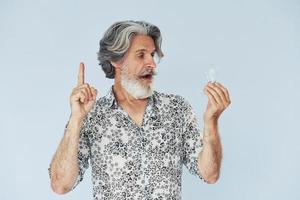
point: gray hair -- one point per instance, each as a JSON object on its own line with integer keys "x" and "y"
{"x": 116, "y": 42}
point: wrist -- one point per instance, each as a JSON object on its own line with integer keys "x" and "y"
{"x": 210, "y": 118}
{"x": 76, "y": 118}
{"x": 74, "y": 122}
{"x": 211, "y": 123}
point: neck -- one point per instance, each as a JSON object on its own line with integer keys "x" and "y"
{"x": 123, "y": 96}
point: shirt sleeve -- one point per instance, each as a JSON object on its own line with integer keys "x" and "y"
{"x": 192, "y": 141}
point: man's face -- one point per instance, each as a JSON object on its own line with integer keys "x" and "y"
{"x": 138, "y": 67}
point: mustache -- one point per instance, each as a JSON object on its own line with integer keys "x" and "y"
{"x": 149, "y": 72}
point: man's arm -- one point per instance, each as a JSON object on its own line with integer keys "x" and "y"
{"x": 209, "y": 159}
{"x": 64, "y": 166}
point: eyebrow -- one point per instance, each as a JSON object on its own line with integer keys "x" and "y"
{"x": 144, "y": 50}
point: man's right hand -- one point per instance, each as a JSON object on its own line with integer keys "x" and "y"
{"x": 83, "y": 96}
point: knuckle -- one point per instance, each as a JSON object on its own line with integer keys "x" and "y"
{"x": 85, "y": 90}
{"x": 82, "y": 92}
{"x": 88, "y": 92}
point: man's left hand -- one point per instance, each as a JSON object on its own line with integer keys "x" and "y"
{"x": 219, "y": 100}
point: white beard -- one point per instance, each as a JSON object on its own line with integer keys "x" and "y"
{"x": 133, "y": 87}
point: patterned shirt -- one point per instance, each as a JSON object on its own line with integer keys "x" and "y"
{"x": 139, "y": 162}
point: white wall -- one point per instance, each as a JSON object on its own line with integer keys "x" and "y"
{"x": 255, "y": 45}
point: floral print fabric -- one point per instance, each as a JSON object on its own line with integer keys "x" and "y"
{"x": 133, "y": 162}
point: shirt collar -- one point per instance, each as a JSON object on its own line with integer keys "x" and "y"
{"x": 112, "y": 102}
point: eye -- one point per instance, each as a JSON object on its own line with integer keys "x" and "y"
{"x": 153, "y": 54}
{"x": 141, "y": 55}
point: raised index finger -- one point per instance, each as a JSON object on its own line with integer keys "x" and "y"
{"x": 80, "y": 78}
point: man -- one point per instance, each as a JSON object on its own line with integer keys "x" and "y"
{"x": 135, "y": 138}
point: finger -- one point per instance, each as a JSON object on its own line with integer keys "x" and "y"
{"x": 85, "y": 94}
{"x": 225, "y": 91}
{"x": 215, "y": 95}
{"x": 80, "y": 78}
{"x": 210, "y": 96}
{"x": 220, "y": 92}
{"x": 94, "y": 92}
{"x": 87, "y": 90}
{"x": 82, "y": 97}
{"x": 79, "y": 94}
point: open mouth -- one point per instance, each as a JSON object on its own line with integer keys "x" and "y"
{"x": 146, "y": 77}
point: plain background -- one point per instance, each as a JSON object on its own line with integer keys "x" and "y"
{"x": 254, "y": 44}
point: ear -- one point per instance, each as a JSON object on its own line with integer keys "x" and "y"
{"x": 116, "y": 64}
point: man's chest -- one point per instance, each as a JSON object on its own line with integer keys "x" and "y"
{"x": 135, "y": 114}
{"x": 120, "y": 137}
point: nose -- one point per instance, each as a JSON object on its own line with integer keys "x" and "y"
{"x": 151, "y": 62}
